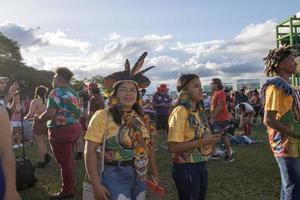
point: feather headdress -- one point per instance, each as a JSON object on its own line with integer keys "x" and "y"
{"x": 135, "y": 75}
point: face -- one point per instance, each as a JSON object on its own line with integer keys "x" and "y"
{"x": 57, "y": 81}
{"x": 289, "y": 65}
{"x": 2, "y": 85}
{"x": 214, "y": 86}
{"x": 127, "y": 94}
{"x": 194, "y": 88}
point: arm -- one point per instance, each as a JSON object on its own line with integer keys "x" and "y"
{"x": 153, "y": 164}
{"x": 7, "y": 158}
{"x": 271, "y": 121}
{"x": 90, "y": 160}
{"x": 181, "y": 147}
{"x": 31, "y": 110}
{"x": 48, "y": 114}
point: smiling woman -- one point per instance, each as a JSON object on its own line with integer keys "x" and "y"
{"x": 124, "y": 133}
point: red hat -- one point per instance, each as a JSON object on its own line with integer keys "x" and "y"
{"x": 163, "y": 88}
{"x": 92, "y": 85}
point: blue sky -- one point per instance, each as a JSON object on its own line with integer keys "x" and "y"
{"x": 211, "y": 38}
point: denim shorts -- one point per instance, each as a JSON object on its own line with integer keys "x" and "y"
{"x": 221, "y": 126}
{"x": 123, "y": 184}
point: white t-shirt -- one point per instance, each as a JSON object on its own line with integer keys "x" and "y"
{"x": 248, "y": 108}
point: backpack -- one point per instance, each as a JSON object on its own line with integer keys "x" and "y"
{"x": 24, "y": 174}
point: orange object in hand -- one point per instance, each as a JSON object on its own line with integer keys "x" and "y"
{"x": 154, "y": 187}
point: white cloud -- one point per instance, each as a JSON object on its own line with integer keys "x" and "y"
{"x": 227, "y": 59}
{"x": 25, "y": 36}
{"x": 59, "y": 38}
{"x": 30, "y": 39}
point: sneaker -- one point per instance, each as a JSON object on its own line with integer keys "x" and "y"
{"x": 20, "y": 145}
{"x": 60, "y": 196}
{"x": 229, "y": 159}
{"x": 214, "y": 157}
{"x": 15, "y": 146}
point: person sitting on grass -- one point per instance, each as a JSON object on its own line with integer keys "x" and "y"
{"x": 189, "y": 135}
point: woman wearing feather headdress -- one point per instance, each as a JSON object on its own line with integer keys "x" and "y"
{"x": 125, "y": 133}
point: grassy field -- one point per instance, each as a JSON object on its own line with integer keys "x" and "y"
{"x": 253, "y": 176}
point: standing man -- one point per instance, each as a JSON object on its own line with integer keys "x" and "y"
{"x": 283, "y": 126}
{"x": 219, "y": 116}
{"x": 7, "y": 158}
{"x": 162, "y": 103}
{"x": 63, "y": 111}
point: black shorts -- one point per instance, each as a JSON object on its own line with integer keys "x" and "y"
{"x": 162, "y": 122}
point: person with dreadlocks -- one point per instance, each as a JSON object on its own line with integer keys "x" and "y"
{"x": 281, "y": 104}
{"x": 124, "y": 134}
{"x": 190, "y": 140}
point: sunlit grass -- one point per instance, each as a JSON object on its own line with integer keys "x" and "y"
{"x": 253, "y": 175}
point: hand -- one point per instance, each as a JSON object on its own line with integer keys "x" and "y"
{"x": 11, "y": 195}
{"x": 210, "y": 138}
{"x": 101, "y": 192}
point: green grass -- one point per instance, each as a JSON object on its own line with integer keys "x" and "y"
{"x": 253, "y": 175}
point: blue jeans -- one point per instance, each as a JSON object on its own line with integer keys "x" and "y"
{"x": 191, "y": 180}
{"x": 123, "y": 184}
{"x": 290, "y": 177}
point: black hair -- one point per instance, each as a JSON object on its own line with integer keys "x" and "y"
{"x": 218, "y": 82}
{"x": 242, "y": 106}
{"x": 41, "y": 91}
{"x": 95, "y": 90}
{"x": 184, "y": 80}
{"x": 275, "y": 57}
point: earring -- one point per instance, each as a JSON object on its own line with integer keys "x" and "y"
{"x": 113, "y": 101}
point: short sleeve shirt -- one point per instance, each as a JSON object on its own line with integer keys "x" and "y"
{"x": 281, "y": 144}
{"x": 66, "y": 102}
{"x": 180, "y": 131}
{"x": 114, "y": 138}
{"x": 162, "y": 98}
{"x": 220, "y": 97}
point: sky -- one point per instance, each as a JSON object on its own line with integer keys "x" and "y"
{"x": 224, "y": 39}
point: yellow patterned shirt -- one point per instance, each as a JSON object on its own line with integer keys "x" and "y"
{"x": 180, "y": 131}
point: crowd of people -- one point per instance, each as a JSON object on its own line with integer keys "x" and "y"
{"x": 120, "y": 128}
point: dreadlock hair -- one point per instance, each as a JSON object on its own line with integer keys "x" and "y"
{"x": 275, "y": 57}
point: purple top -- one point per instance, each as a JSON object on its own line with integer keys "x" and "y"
{"x": 160, "y": 98}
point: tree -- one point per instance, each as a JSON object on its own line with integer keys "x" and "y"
{"x": 9, "y": 50}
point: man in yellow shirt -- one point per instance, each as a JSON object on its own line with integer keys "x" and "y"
{"x": 284, "y": 130}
